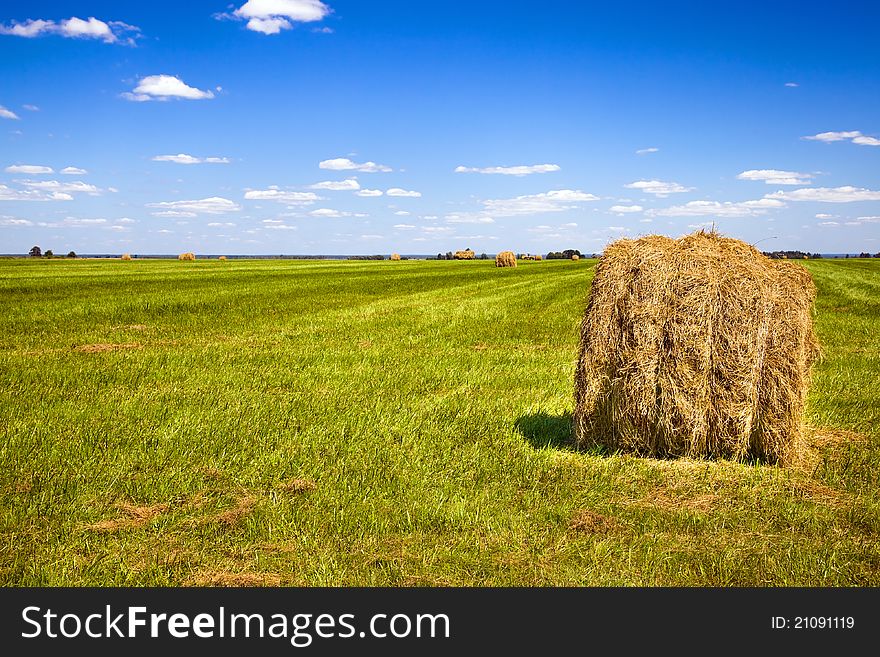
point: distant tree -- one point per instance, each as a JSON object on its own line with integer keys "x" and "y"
{"x": 72, "y": 254}
{"x": 449, "y": 255}
{"x": 35, "y": 252}
{"x": 49, "y": 253}
{"x": 483, "y": 256}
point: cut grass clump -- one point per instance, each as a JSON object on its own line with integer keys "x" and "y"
{"x": 697, "y": 347}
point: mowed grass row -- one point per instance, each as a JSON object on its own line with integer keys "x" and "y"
{"x": 379, "y": 423}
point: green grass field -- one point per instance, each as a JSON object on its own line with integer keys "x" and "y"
{"x": 379, "y": 423}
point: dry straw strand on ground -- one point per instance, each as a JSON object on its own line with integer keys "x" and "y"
{"x": 505, "y": 259}
{"x": 697, "y": 347}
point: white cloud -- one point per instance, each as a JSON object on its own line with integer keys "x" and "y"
{"x": 211, "y": 205}
{"x": 864, "y": 140}
{"x": 12, "y": 221}
{"x": 87, "y": 29}
{"x": 521, "y": 170}
{"x": 626, "y": 209}
{"x": 9, "y": 194}
{"x": 73, "y": 222}
{"x": 869, "y": 220}
{"x": 823, "y": 215}
{"x": 645, "y": 151}
{"x": 719, "y": 209}
{"x": 282, "y": 196}
{"x": 855, "y": 136}
{"x": 403, "y": 226}
{"x": 165, "y": 87}
{"x": 280, "y": 227}
{"x": 437, "y": 229}
{"x": 74, "y": 28}
{"x": 344, "y": 164}
{"x": 402, "y": 213}
{"x": 829, "y": 224}
{"x": 468, "y": 218}
{"x": 658, "y": 188}
{"x": 125, "y": 220}
{"x": 173, "y": 213}
{"x": 776, "y": 177}
{"x": 73, "y": 171}
{"x": 7, "y": 114}
{"x": 31, "y": 169}
{"x": 329, "y": 213}
{"x": 846, "y": 194}
{"x": 183, "y": 158}
{"x": 61, "y": 187}
{"x": 217, "y": 224}
{"x": 272, "y": 16}
{"x": 792, "y": 84}
{"x": 347, "y": 185}
{"x": 29, "y": 28}
{"x": 553, "y": 201}
{"x": 370, "y": 192}
{"x": 834, "y": 136}
{"x": 268, "y": 25}
{"x": 31, "y": 108}
{"x": 396, "y": 191}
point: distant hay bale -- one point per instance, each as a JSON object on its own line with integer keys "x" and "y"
{"x": 697, "y": 347}
{"x": 395, "y": 256}
{"x": 126, "y": 256}
{"x": 575, "y": 257}
{"x": 187, "y": 256}
{"x": 505, "y": 259}
{"x": 221, "y": 258}
{"x": 467, "y": 254}
{"x": 539, "y": 258}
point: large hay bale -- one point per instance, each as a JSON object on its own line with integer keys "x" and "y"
{"x": 539, "y": 258}
{"x": 467, "y": 254}
{"x": 575, "y": 257}
{"x": 505, "y": 259}
{"x": 187, "y": 256}
{"x": 222, "y": 258}
{"x": 395, "y": 256}
{"x": 126, "y": 256}
{"x": 697, "y": 347}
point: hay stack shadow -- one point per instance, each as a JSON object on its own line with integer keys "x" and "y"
{"x": 544, "y": 431}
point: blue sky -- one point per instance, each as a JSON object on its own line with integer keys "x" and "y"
{"x": 344, "y": 126}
